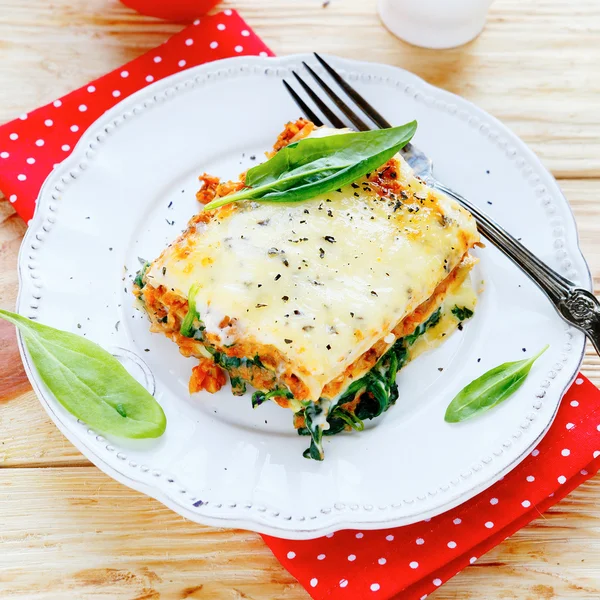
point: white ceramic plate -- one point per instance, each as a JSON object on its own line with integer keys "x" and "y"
{"x": 128, "y": 189}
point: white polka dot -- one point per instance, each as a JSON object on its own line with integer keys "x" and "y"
{"x": 596, "y": 453}
{"x": 489, "y": 524}
{"x": 13, "y": 198}
{"x": 457, "y": 521}
{"x": 389, "y": 538}
{"x": 74, "y": 128}
{"x": 414, "y": 564}
{"x": 214, "y": 45}
{"x": 30, "y": 161}
{"x": 381, "y": 561}
{"x": 423, "y": 597}
{"x": 451, "y": 545}
{"x": 530, "y": 478}
{"x": 329, "y": 535}
{"x": 157, "y": 59}
{"x": 124, "y": 74}
{"x": 561, "y": 479}
{"x": 565, "y": 452}
{"x": 525, "y": 504}
{"x": 239, "y": 48}
{"x": 472, "y": 559}
{"x": 351, "y": 557}
{"x": 313, "y": 582}
{"x": 263, "y": 53}
{"x": 574, "y": 403}
{"x": 4, "y": 154}
{"x": 82, "y": 108}
{"x": 493, "y": 501}
{"x": 48, "y": 122}
{"x": 149, "y": 78}
{"x": 189, "y": 42}
{"x": 291, "y": 555}
{"x": 91, "y": 89}
{"x": 65, "y": 147}
{"x": 23, "y": 117}
{"x": 437, "y": 582}
{"x": 196, "y": 22}
{"x": 584, "y": 472}
{"x": 535, "y": 452}
{"x": 116, "y": 93}
{"x": 181, "y": 63}
{"x": 343, "y": 582}
{"x": 375, "y": 587}
{"x": 228, "y": 12}
{"x": 14, "y": 136}
{"x": 420, "y": 541}
{"x": 245, "y": 32}
{"x": 57, "y": 103}
{"x": 579, "y": 381}
{"x": 220, "y": 27}
{"x": 359, "y": 535}
{"x": 29, "y": 222}
{"x": 321, "y": 557}
{"x": 570, "y": 425}
{"x": 39, "y": 143}
{"x": 21, "y": 177}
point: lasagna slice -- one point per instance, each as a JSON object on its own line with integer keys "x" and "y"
{"x": 316, "y": 304}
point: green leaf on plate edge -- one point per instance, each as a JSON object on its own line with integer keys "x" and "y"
{"x": 490, "y": 389}
{"x": 90, "y": 382}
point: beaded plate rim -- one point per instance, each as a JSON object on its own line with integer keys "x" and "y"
{"x": 272, "y": 520}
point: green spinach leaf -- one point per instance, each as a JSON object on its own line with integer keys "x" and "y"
{"x": 311, "y": 415}
{"x": 259, "y": 397}
{"x": 462, "y": 312}
{"x": 89, "y": 382}
{"x": 315, "y": 166}
{"x": 139, "y": 276}
{"x": 187, "y": 326}
{"x": 490, "y": 389}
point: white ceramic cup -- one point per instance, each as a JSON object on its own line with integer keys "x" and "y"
{"x": 434, "y": 23}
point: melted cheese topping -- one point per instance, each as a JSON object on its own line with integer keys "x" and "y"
{"x": 322, "y": 280}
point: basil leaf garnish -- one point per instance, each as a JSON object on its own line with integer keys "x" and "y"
{"x": 314, "y": 166}
{"x": 490, "y": 389}
{"x": 89, "y": 382}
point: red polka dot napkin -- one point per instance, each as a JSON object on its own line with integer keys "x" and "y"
{"x": 410, "y": 562}
{"x": 406, "y": 562}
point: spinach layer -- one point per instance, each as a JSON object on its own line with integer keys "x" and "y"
{"x": 378, "y": 391}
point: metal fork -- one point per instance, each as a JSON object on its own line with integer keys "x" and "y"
{"x": 576, "y": 305}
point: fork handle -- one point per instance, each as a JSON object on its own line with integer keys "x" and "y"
{"x": 576, "y": 305}
{"x": 582, "y": 309}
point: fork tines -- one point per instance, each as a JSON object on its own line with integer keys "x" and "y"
{"x": 328, "y": 114}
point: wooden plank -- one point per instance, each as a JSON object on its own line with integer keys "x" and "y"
{"x": 94, "y": 538}
{"x": 541, "y": 85}
{"x": 70, "y": 533}
{"x": 73, "y": 532}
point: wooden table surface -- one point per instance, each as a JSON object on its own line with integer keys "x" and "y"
{"x": 69, "y": 531}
